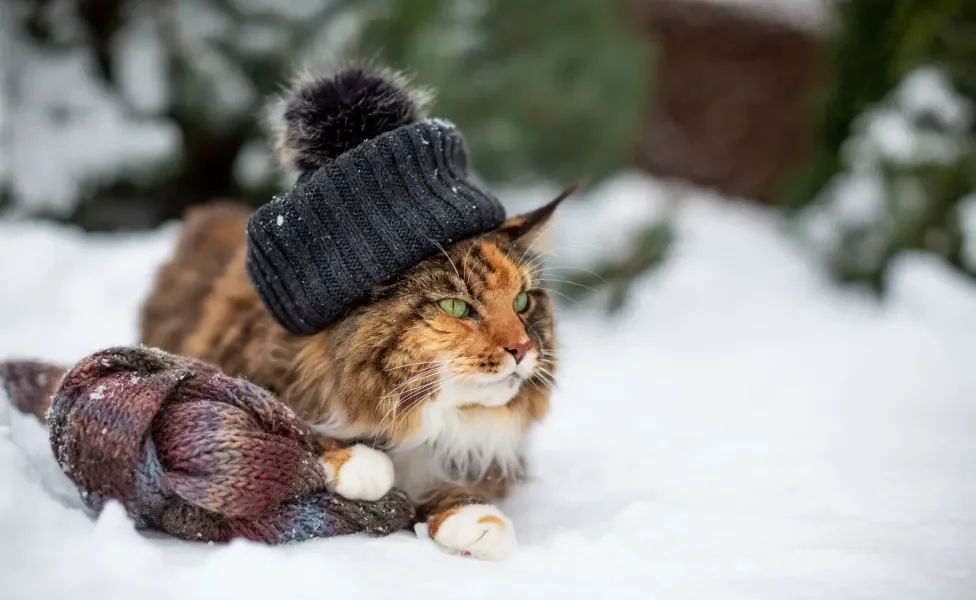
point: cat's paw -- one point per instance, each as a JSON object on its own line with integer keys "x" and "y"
{"x": 478, "y": 530}
{"x": 359, "y": 472}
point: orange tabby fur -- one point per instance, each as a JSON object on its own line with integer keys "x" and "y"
{"x": 371, "y": 376}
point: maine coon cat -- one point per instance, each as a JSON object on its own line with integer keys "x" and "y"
{"x": 432, "y": 383}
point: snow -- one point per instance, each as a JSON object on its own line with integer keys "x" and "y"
{"x": 742, "y": 430}
{"x": 928, "y": 90}
{"x": 898, "y": 131}
{"x": 918, "y": 123}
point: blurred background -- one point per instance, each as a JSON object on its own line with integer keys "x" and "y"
{"x": 851, "y": 119}
{"x": 781, "y": 215}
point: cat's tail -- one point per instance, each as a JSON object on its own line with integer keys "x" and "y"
{"x": 29, "y": 385}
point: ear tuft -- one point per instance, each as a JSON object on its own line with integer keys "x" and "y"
{"x": 526, "y": 228}
{"x": 323, "y": 116}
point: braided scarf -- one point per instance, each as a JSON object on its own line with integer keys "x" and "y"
{"x": 190, "y": 451}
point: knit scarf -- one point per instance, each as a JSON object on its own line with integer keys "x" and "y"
{"x": 190, "y": 451}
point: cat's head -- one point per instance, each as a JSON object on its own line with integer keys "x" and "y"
{"x": 478, "y": 316}
{"x": 471, "y": 328}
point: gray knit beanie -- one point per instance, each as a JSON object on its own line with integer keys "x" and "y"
{"x": 380, "y": 189}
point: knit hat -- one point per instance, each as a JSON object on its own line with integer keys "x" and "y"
{"x": 380, "y": 188}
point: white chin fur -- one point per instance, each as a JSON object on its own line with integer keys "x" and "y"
{"x": 527, "y": 366}
{"x": 496, "y": 389}
{"x": 495, "y": 392}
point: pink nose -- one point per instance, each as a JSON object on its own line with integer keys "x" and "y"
{"x": 519, "y": 349}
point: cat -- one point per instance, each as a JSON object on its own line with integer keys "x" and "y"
{"x": 434, "y": 383}
{"x": 434, "y": 380}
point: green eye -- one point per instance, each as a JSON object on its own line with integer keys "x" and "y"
{"x": 454, "y": 307}
{"x": 521, "y": 302}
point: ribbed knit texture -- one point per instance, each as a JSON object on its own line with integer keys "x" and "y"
{"x": 190, "y": 451}
{"x": 363, "y": 219}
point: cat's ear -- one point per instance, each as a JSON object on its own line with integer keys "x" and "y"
{"x": 525, "y": 229}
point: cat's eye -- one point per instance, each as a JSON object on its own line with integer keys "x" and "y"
{"x": 455, "y": 307}
{"x": 521, "y": 302}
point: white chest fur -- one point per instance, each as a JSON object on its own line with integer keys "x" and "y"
{"x": 458, "y": 446}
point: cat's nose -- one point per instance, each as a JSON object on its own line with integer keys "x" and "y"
{"x": 519, "y": 349}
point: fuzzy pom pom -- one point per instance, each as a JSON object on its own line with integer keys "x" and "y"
{"x": 323, "y": 116}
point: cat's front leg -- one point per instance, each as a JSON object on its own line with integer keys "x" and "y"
{"x": 357, "y": 472}
{"x": 461, "y": 520}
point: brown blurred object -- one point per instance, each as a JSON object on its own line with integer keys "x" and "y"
{"x": 733, "y": 86}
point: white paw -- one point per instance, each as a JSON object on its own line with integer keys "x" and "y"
{"x": 365, "y": 474}
{"x": 478, "y": 530}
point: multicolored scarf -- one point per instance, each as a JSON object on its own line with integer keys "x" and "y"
{"x": 190, "y": 451}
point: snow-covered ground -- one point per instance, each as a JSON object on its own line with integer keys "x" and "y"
{"x": 743, "y": 430}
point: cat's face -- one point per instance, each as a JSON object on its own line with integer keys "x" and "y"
{"x": 471, "y": 327}
{"x": 478, "y": 319}
{"x": 483, "y": 323}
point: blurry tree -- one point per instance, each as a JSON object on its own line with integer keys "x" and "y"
{"x": 908, "y": 173}
{"x": 897, "y": 161}
{"x": 195, "y": 74}
{"x": 542, "y": 89}
{"x": 146, "y": 107}
{"x": 861, "y": 55}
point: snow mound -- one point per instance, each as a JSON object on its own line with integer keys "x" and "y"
{"x": 742, "y": 430}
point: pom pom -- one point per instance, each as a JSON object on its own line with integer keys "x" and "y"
{"x": 323, "y": 116}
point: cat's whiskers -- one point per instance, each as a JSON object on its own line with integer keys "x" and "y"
{"x": 538, "y": 256}
{"x": 570, "y": 282}
{"x": 541, "y": 383}
{"x": 539, "y": 272}
{"x": 540, "y": 365}
{"x": 521, "y": 262}
{"x": 439, "y": 368}
{"x": 439, "y": 365}
{"x": 430, "y": 390}
{"x": 576, "y": 246}
{"x": 547, "y": 382}
{"x": 546, "y": 372}
{"x": 449, "y": 259}
{"x": 554, "y": 252}
{"x": 533, "y": 326}
{"x": 396, "y": 402}
{"x": 552, "y": 291}
{"x": 545, "y": 376}
{"x": 427, "y": 362}
{"x": 573, "y": 267}
{"x": 423, "y": 374}
{"x": 391, "y": 411}
{"x": 541, "y": 374}
{"x": 568, "y": 191}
